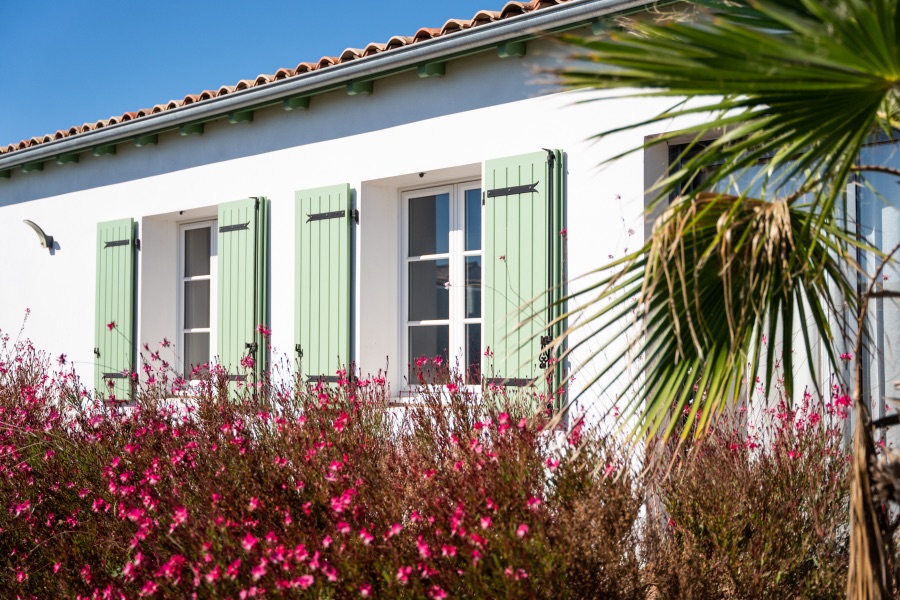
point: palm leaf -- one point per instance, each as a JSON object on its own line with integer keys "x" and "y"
{"x": 799, "y": 84}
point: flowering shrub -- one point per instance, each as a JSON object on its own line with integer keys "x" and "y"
{"x": 757, "y": 509}
{"x": 309, "y": 487}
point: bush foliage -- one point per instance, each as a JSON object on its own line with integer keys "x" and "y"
{"x": 330, "y": 491}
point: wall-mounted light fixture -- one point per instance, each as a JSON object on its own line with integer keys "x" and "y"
{"x": 45, "y": 240}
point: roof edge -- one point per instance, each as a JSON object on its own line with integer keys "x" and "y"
{"x": 464, "y": 42}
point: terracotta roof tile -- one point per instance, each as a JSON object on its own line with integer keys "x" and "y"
{"x": 510, "y": 9}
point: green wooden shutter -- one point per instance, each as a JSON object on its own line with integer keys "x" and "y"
{"x": 523, "y": 255}
{"x": 242, "y": 296}
{"x": 322, "y": 259}
{"x": 114, "y": 322}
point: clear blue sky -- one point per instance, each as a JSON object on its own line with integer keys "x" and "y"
{"x": 68, "y": 62}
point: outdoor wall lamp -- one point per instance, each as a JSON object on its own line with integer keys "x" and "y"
{"x": 45, "y": 240}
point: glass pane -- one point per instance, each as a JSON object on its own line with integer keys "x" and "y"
{"x": 196, "y": 252}
{"x": 473, "y": 354}
{"x": 473, "y": 219}
{"x": 879, "y": 223}
{"x": 429, "y": 225}
{"x": 473, "y": 287}
{"x": 426, "y": 342}
{"x": 429, "y": 292}
{"x": 196, "y": 351}
{"x": 196, "y": 304}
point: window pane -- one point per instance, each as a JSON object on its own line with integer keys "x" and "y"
{"x": 473, "y": 287}
{"x": 427, "y": 341}
{"x": 196, "y": 351}
{"x": 429, "y": 225}
{"x": 473, "y": 219}
{"x": 429, "y": 294}
{"x": 196, "y": 252}
{"x": 196, "y": 304}
{"x": 473, "y": 353}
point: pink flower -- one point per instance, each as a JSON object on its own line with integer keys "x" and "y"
{"x": 552, "y": 463}
{"x": 233, "y": 569}
{"x": 248, "y": 542}
{"x": 263, "y": 330}
{"x": 424, "y": 549}
{"x": 21, "y": 576}
{"x": 488, "y": 352}
{"x": 304, "y": 581}
{"x": 522, "y": 530}
{"x": 259, "y": 570}
{"x": 403, "y": 574}
{"x": 846, "y": 356}
{"x": 213, "y": 575}
{"x": 326, "y": 541}
{"x": 111, "y": 325}
{"x": 485, "y": 522}
{"x": 365, "y": 590}
{"x": 394, "y": 530}
{"x": 254, "y": 503}
{"x": 503, "y": 257}
{"x": 448, "y": 551}
{"x": 343, "y": 528}
{"x": 564, "y": 232}
{"x": 533, "y": 503}
{"x": 437, "y": 593}
{"x": 452, "y": 388}
{"x": 366, "y": 537}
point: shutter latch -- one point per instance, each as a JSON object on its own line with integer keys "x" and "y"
{"x": 97, "y": 352}
{"x": 299, "y": 350}
{"x": 251, "y": 347}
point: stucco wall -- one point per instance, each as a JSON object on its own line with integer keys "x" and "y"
{"x": 485, "y": 107}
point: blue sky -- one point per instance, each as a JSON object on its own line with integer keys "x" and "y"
{"x": 65, "y": 63}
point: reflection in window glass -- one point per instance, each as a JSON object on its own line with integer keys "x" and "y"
{"x": 196, "y": 252}
{"x": 473, "y": 287}
{"x": 473, "y": 353}
{"x": 429, "y": 225}
{"x": 473, "y": 219}
{"x": 878, "y": 212}
{"x": 429, "y": 291}
{"x": 196, "y": 304}
{"x": 427, "y": 341}
{"x": 196, "y": 350}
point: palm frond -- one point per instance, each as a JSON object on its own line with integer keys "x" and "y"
{"x": 728, "y": 278}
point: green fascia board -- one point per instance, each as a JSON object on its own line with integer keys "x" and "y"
{"x": 191, "y": 129}
{"x": 296, "y": 103}
{"x": 511, "y": 49}
{"x": 435, "y": 69}
{"x": 31, "y": 167}
{"x": 64, "y": 159}
{"x": 361, "y": 88}
{"x": 241, "y": 116}
{"x": 151, "y": 139}
{"x": 106, "y": 150}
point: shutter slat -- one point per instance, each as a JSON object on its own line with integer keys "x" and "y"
{"x": 243, "y": 282}
{"x": 322, "y": 259}
{"x": 114, "y": 303}
{"x": 522, "y": 222}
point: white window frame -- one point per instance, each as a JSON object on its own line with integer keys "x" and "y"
{"x": 213, "y": 292}
{"x": 457, "y": 254}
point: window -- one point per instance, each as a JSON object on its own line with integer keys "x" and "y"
{"x": 442, "y": 264}
{"x": 197, "y": 285}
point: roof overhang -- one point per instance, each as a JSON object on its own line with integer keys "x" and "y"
{"x": 470, "y": 41}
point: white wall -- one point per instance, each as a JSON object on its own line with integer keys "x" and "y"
{"x": 485, "y": 107}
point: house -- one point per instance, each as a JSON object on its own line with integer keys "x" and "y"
{"x": 404, "y": 199}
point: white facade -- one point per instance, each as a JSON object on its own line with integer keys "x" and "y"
{"x": 410, "y": 133}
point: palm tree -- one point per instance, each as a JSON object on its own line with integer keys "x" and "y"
{"x": 800, "y": 85}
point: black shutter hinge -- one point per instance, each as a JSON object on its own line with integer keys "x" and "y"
{"x": 236, "y": 227}
{"x": 137, "y": 243}
{"x": 355, "y": 215}
{"x": 530, "y": 188}
{"x": 544, "y": 358}
{"x": 551, "y": 157}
